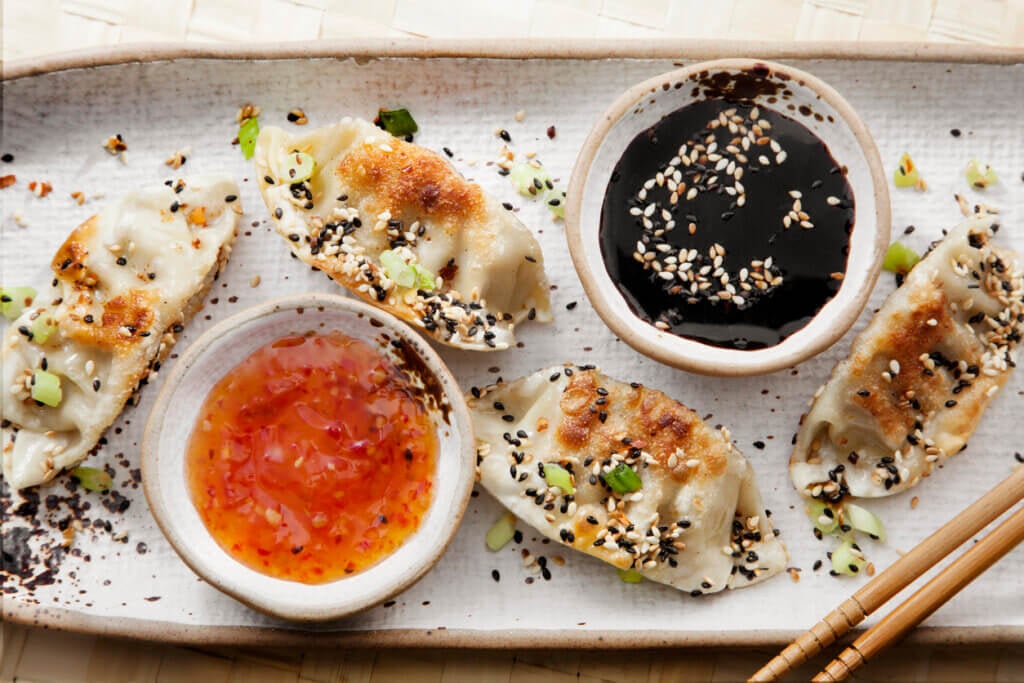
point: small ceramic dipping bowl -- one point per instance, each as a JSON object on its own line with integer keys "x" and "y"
{"x": 209, "y": 359}
{"x": 787, "y": 91}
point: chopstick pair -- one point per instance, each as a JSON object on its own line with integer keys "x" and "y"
{"x": 902, "y": 573}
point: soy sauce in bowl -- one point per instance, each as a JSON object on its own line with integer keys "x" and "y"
{"x": 727, "y": 223}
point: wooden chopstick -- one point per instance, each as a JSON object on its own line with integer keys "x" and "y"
{"x": 929, "y": 598}
{"x": 901, "y": 574}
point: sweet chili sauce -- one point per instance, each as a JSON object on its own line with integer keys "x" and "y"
{"x": 312, "y": 459}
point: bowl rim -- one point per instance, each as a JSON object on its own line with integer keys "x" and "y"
{"x": 643, "y": 336}
{"x": 277, "y": 605}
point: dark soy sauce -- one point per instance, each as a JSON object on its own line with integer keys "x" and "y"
{"x": 810, "y": 262}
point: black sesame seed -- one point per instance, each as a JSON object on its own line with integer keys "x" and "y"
{"x": 95, "y": 385}
{"x": 7, "y": 158}
{"x": 122, "y": 261}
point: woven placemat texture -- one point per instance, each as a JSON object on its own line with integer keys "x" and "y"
{"x": 35, "y": 27}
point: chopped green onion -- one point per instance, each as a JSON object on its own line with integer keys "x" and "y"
{"x": 46, "y": 388}
{"x": 848, "y": 559}
{"x": 906, "y": 174}
{"x": 556, "y": 475}
{"x": 93, "y": 479}
{"x": 529, "y": 180}
{"x": 42, "y": 327}
{"x": 555, "y": 201}
{"x": 823, "y": 516}
{"x": 297, "y": 167}
{"x": 900, "y": 258}
{"x": 630, "y": 576}
{"x": 398, "y": 122}
{"x": 863, "y": 520}
{"x": 247, "y": 134}
{"x": 622, "y": 479}
{"x": 980, "y": 176}
{"x": 14, "y": 300}
{"x": 397, "y": 269}
{"x": 424, "y": 278}
{"x": 501, "y": 532}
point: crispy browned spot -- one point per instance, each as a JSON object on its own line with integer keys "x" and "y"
{"x": 654, "y": 422}
{"x": 578, "y": 419}
{"x": 411, "y": 179}
{"x": 69, "y": 262}
{"x": 907, "y": 338}
{"x": 130, "y": 311}
{"x": 669, "y": 425}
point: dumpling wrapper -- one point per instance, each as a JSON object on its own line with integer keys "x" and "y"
{"x": 948, "y": 332}
{"x": 698, "y": 521}
{"x": 371, "y": 192}
{"x": 102, "y": 363}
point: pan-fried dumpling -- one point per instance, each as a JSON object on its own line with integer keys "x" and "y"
{"x": 687, "y": 512}
{"x": 396, "y": 224}
{"x": 919, "y": 376}
{"x": 124, "y": 283}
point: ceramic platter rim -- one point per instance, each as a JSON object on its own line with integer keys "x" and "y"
{"x": 60, "y": 618}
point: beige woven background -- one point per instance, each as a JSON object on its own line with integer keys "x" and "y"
{"x": 33, "y": 27}
{"x": 37, "y": 27}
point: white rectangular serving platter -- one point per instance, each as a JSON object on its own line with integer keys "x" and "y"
{"x": 57, "y": 114}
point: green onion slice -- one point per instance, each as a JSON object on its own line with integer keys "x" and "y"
{"x": 555, "y": 200}
{"x": 823, "y": 516}
{"x": 630, "y": 576}
{"x": 297, "y": 167}
{"x": 623, "y": 479}
{"x": 906, "y": 174}
{"x": 900, "y": 258}
{"x": 93, "y": 479}
{"x": 980, "y": 175}
{"x": 848, "y": 559}
{"x": 46, "y": 388}
{"x": 501, "y": 532}
{"x": 398, "y": 122}
{"x": 406, "y": 274}
{"x": 247, "y": 134}
{"x": 556, "y": 475}
{"x": 14, "y": 300}
{"x": 863, "y": 520}
{"x": 530, "y": 181}
{"x": 42, "y": 327}
{"x": 424, "y": 278}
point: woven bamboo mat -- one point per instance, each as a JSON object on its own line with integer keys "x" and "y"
{"x": 37, "y": 27}
{"x": 34, "y": 27}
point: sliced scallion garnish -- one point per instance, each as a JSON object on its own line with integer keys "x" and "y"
{"x": 530, "y": 181}
{"x": 556, "y": 475}
{"x": 46, "y": 388}
{"x": 501, "y": 532}
{"x": 42, "y": 327}
{"x": 297, "y": 167}
{"x": 425, "y": 280}
{"x": 93, "y": 479}
{"x": 623, "y": 479}
{"x": 630, "y": 576}
{"x": 398, "y": 122}
{"x": 906, "y": 174}
{"x": 900, "y": 258}
{"x": 14, "y": 300}
{"x": 822, "y": 516}
{"x": 980, "y": 175}
{"x": 405, "y": 274}
{"x": 555, "y": 200}
{"x": 847, "y": 558}
{"x": 863, "y": 520}
{"x": 247, "y": 134}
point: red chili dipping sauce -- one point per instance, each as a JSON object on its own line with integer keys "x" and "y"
{"x": 312, "y": 459}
